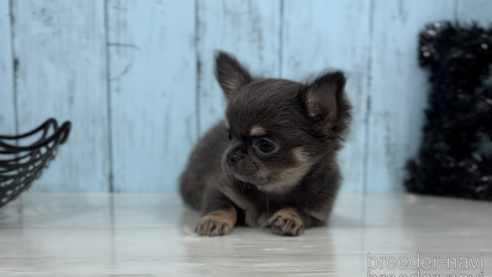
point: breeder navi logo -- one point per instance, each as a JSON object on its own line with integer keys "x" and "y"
{"x": 421, "y": 264}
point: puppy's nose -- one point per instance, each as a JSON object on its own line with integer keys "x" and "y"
{"x": 233, "y": 158}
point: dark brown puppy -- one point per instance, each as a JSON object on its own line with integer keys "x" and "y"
{"x": 273, "y": 161}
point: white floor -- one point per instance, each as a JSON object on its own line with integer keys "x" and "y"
{"x": 152, "y": 235}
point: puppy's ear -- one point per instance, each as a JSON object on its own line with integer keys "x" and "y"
{"x": 324, "y": 99}
{"x": 230, "y": 74}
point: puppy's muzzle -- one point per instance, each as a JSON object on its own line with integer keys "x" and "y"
{"x": 233, "y": 157}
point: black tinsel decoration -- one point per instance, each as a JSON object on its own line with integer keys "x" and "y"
{"x": 455, "y": 157}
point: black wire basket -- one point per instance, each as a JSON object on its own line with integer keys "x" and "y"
{"x": 21, "y": 165}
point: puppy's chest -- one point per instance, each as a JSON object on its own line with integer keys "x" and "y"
{"x": 258, "y": 207}
{"x": 260, "y": 213}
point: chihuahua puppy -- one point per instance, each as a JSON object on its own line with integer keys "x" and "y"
{"x": 272, "y": 163}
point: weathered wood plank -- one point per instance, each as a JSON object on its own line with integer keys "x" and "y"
{"x": 333, "y": 34}
{"x": 60, "y": 47}
{"x": 474, "y": 10}
{"x": 398, "y": 88}
{"x": 247, "y": 29}
{"x": 153, "y": 92}
{"x": 7, "y": 102}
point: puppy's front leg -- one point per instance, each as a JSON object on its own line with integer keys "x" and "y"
{"x": 217, "y": 223}
{"x": 220, "y": 215}
{"x": 290, "y": 221}
{"x": 287, "y": 222}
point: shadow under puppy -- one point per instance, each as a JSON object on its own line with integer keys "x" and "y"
{"x": 273, "y": 161}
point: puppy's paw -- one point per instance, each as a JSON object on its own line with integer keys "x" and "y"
{"x": 287, "y": 222}
{"x": 217, "y": 223}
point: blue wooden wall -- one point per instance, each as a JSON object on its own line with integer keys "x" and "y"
{"x": 136, "y": 78}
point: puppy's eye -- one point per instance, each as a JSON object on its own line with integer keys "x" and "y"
{"x": 229, "y": 135}
{"x": 265, "y": 146}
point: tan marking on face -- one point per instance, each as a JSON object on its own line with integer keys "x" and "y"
{"x": 257, "y": 131}
{"x": 300, "y": 155}
{"x": 217, "y": 223}
{"x": 285, "y": 180}
{"x": 226, "y": 124}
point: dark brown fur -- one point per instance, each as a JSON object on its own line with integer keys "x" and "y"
{"x": 290, "y": 188}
